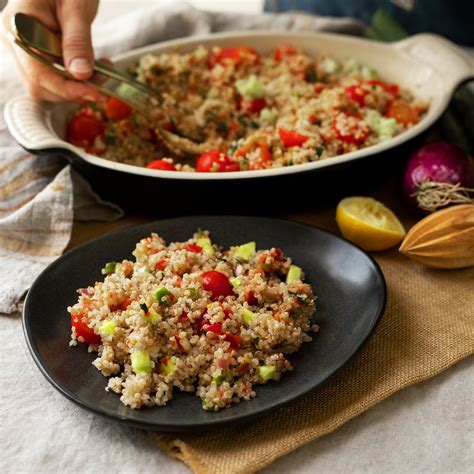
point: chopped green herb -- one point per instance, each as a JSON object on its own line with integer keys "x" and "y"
{"x": 110, "y": 139}
{"x": 319, "y": 150}
{"x": 109, "y": 268}
{"x": 144, "y": 307}
{"x": 254, "y": 124}
{"x": 242, "y": 120}
{"x": 155, "y": 317}
{"x": 310, "y": 75}
{"x": 192, "y": 291}
{"x": 214, "y": 168}
{"x": 219, "y": 379}
{"x": 222, "y": 126}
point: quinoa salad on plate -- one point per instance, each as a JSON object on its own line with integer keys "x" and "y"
{"x": 248, "y": 111}
{"x": 194, "y": 317}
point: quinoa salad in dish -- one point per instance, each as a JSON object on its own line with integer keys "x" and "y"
{"x": 194, "y": 317}
{"x": 248, "y": 111}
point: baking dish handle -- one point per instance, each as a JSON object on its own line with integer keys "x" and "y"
{"x": 27, "y": 122}
{"x": 449, "y": 60}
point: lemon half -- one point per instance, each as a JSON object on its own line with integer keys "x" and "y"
{"x": 368, "y": 223}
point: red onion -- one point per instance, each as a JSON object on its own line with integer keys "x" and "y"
{"x": 438, "y": 174}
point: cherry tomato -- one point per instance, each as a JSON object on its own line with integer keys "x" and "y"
{"x": 237, "y": 56}
{"x": 403, "y": 113}
{"x": 194, "y": 248}
{"x": 115, "y": 109}
{"x": 350, "y": 129}
{"x": 233, "y": 340}
{"x": 284, "y": 50}
{"x": 217, "y": 283}
{"x": 161, "y": 165}
{"x": 356, "y": 94}
{"x": 290, "y": 139}
{"x": 83, "y": 129}
{"x": 214, "y": 161}
{"x": 202, "y": 321}
{"x": 82, "y": 330}
{"x": 250, "y": 107}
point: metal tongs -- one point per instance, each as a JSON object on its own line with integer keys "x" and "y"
{"x": 35, "y": 38}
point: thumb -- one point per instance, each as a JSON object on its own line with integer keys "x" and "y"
{"x": 75, "y": 22}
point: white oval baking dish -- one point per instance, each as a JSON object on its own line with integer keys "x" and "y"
{"x": 428, "y": 65}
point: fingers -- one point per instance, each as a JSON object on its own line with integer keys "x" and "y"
{"x": 75, "y": 18}
{"x": 44, "y": 84}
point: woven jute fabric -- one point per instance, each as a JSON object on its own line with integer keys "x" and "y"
{"x": 428, "y": 326}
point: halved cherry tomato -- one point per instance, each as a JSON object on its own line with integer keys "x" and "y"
{"x": 217, "y": 283}
{"x": 357, "y": 94}
{"x": 251, "y": 107}
{"x": 233, "y": 340}
{"x": 82, "y": 330}
{"x": 194, "y": 248}
{"x": 115, "y": 109}
{"x": 289, "y": 138}
{"x": 403, "y": 113}
{"x": 237, "y": 55}
{"x": 215, "y": 161}
{"x": 161, "y": 265}
{"x": 284, "y": 50}
{"x": 161, "y": 165}
{"x": 83, "y": 129}
{"x": 350, "y": 129}
{"x": 265, "y": 153}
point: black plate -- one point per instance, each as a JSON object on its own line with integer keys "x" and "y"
{"x": 350, "y": 286}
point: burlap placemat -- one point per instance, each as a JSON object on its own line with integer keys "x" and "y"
{"x": 427, "y": 327}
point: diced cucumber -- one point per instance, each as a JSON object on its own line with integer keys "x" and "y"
{"x": 168, "y": 367}
{"x": 387, "y": 128}
{"x": 294, "y": 274}
{"x": 107, "y": 328}
{"x": 161, "y": 294}
{"x": 330, "y": 66}
{"x": 236, "y": 282}
{"x": 369, "y": 73}
{"x": 154, "y": 316}
{"x": 249, "y": 87}
{"x": 351, "y": 65}
{"x": 248, "y": 316}
{"x": 267, "y": 116}
{"x": 206, "y": 244}
{"x": 245, "y": 251}
{"x": 109, "y": 268}
{"x": 141, "y": 362}
{"x": 266, "y": 372}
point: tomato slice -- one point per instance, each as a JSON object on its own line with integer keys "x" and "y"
{"x": 283, "y": 51}
{"x": 289, "y": 138}
{"x": 161, "y": 165}
{"x": 215, "y": 161}
{"x": 391, "y": 88}
{"x": 115, "y": 109}
{"x": 251, "y": 107}
{"x": 356, "y": 94}
{"x": 350, "y": 129}
{"x": 233, "y": 340}
{"x": 403, "y": 113}
{"x": 83, "y": 129}
{"x": 82, "y": 330}
{"x": 194, "y": 248}
{"x": 236, "y": 55}
{"x": 217, "y": 283}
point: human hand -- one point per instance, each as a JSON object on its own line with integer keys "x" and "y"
{"x": 73, "y": 19}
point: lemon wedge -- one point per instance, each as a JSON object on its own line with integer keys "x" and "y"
{"x": 368, "y": 223}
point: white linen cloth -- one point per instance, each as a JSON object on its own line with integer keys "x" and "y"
{"x": 428, "y": 427}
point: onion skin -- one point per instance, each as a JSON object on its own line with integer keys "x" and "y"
{"x": 438, "y": 162}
